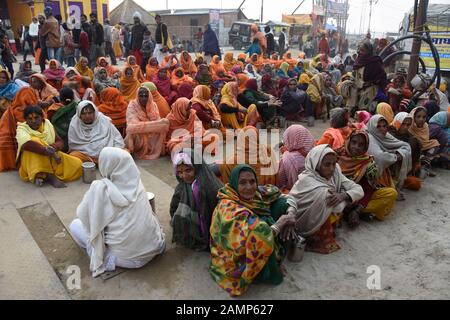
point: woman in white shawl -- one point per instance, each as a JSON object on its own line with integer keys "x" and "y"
{"x": 252, "y": 74}
{"x": 90, "y": 131}
{"x": 115, "y": 222}
{"x": 389, "y": 152}
{"x": 319, "y": 196}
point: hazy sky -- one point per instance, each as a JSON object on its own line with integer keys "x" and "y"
{"x": 386, "y": 14}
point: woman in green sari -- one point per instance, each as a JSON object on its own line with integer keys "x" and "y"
{"x": 245, "y": 226}
{"x": 62, "y": 117}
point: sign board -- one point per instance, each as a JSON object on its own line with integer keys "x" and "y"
{"x": 442, "y": 44}
{"x": 318, "y": 10}
{"x": 336, "y": 7}
{"x": 214, "y": 21}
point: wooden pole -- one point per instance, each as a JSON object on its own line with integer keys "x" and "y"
{"x": 420, "y": 21}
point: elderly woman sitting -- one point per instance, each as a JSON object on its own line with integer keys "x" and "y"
{"x": 246, "y": 223}
{"x": 90, "y": 131}
{"x": 319, "y": 196}
{"x": 146, "y": 131}
{"x": 102, "y": 81}
{"x": 389, "y": 153}
{"x": 115, "y": 224}
{"x": 193, "y": 201}
{"x": 38, "y": 152}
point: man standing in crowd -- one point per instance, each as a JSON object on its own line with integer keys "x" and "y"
{"x": 69, "y": 46}
{"x": 107, "y": 28}
{"x": 137, "y": 37}
{"x": 42, "y": 43}
{"x": 282, "y": 42}
{"x": 270, "y": 40}
{"x": 148, "y": 46}
{"x": 98, "y": 38}
{"x": 27, "y": 46}
{"x": 51, "y": 32}
{"x": 60, "y": 51}
{"x": 161, "y": 38}
{"x": 34, "y": 31}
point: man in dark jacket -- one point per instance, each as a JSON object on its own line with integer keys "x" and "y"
{"x": 97, "y": 46}
{"x": 282, "y": 42}
{"x": 270, "y": 40}
{"x": 137, "y": 37}
{"x": 161, "y": 38}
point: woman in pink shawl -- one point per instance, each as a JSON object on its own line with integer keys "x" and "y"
{"x": 162, "y": 83}
{"x": 362, "y": 118}
{"x": 298, "y": 141}
{"x": 54, "y": 74}
{"x": 146, "y": 131}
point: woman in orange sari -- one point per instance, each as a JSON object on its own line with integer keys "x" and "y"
{"x": 188, "y": 65}
{"x": 131, "y": 62}
{"x": 178, "y": 77}
{"x": 340, "y": 130}
{"x": 129, "y": 84}
{"x": 242, "y": 81}
{"x": 257, "y": 34}
{"x": 214, "y": 66}
{"x": 146, "y": 130}
{"x": 151, "y": 69}
{"x": 249, "y": 150}
{"x": 184, "y": 124}
{"x": 287, "y": 57}
{"x": 163, "y": 106}
{"x": 44, "y": 91}
{"x": 114, "y": 106}
{"x": 8, "y": 125}
{"x": 256, "y": 61}
{"x": 206, "y": 109}
{"x": 229, "y": 62}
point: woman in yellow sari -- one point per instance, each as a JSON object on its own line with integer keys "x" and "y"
{"x": 233, "y": 114}
{"x": 229, "y": 62}
{"x": 82, "y": 67}
{"x": 38, "y": 145}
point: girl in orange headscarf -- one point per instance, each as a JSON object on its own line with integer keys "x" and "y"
{"x": 178, "y": 77}
{"x": 151, "y": 69}
{"x": 242, "y": 81}
{"x": 8, "y": 124}
{"x": 182, "y": 116}
{"x": 163, "y": 106}
{"x": 129, "y": 84}
{"x": 146, "y": 130}
{"x": 115, "y": 107}
{"x": 131, "y": 62}
{"x": 44, "y": 91}
{"x": 287, "y": 57}
{"x": 187, "y": 64}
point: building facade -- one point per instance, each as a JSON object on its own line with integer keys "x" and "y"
{"x": 20, "y": 12}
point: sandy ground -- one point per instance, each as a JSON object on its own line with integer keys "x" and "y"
{"x": 411, "y": 248}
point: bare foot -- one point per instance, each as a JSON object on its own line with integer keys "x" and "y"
{"x": 55, "y": 182}
{"x": 400, "y": 196}
{"x": 39, "y": 182}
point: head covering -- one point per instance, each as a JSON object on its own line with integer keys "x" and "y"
{"x": 384, "y": 147}
{"x": 202, "y": 96}
{"x": 228, "y": 61}
{"x": 304, "y": 78}
{"x": 284, "y": 67}
{"x": 251, "y": 84}
{"x": 356, "y": 167}
{"x": 407, "y": 105}
{"x": 84, "y": 71}
{"x": 229, "y": 94}
{"x": 119, "y": 202}
{"x": 90, "y": 139}
{"x": 363, "y": 116}
{"x": 386, "y": 111}
{"x": 422, "y": 134}
{"x": 114, "y": 106}
{"x": 151, "y": 71}
{"x": 181, "y": 118}
{"x": 234, "y": 175}
{"x": 187, "y": 64}
{"x": 10, "y": 89}
{"x": 185, "y": 90}
{"x": 338, "y": 118}
{"x": 442, "y": 118}
{"x": 54, "y": 74}
{"x": 299, "y": 141}
{"x": 47, "y": 92}
{"x": 129, "y": 85}
{"x": 199, "y": 197}
{"x": 399, "y": 118}
{"x": 137, "y": 14}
